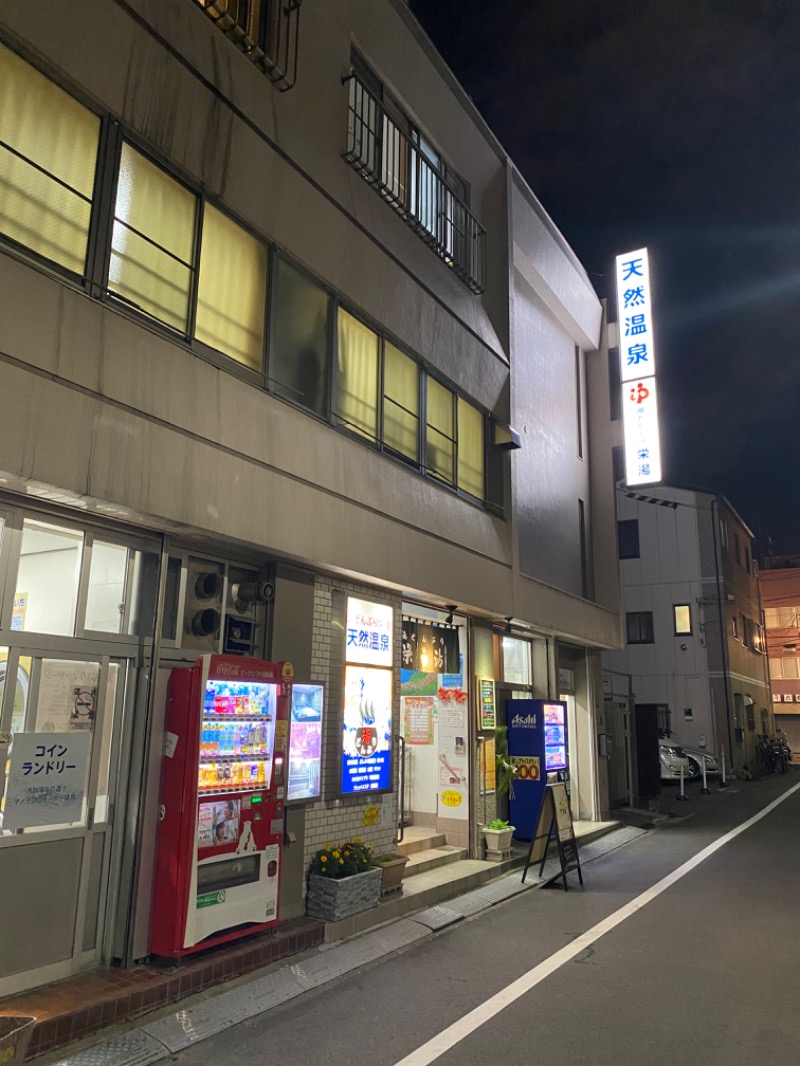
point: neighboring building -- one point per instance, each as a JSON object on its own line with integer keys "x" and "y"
{"x": 279, "y": 314}
{"x": 694, "y": 643}
{"x": 779, "y": 579}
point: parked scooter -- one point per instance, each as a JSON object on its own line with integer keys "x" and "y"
{"x": 774, "y": 754}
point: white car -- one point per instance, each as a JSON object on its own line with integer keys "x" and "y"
{"x": 672, "y": 758}
{"x": 696, "y": 757}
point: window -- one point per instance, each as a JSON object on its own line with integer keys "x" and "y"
{"x": 440, "y": 435}
{"x": 470, "y": 449}
{"x": 734, "y": 628}
{"x": 356, "y": 378}
{"x": 683, "y": 618}
{"x": 776, "y": 668}
{"x": 747, "y": 559}
{"x": 743, "y": 629}
{"x": 411, "y": 175}
{"x": 152, "y": 246}
{"x": 48, "y": 153}
{"x": 299, "y": 353}
{"x": 639, "y": 626}
{"x": 400, "y": 403}
{"x": 231, "y": 291}
{"x": 628, "y": 538}
{"x": 723, "y": 532}
{"x": 516, "y": 661}
{"x": 46, "y": 595}
{"x": 789, "y": 667}
{"x": 265, "y": 30}
{"x": 737, "y": 552}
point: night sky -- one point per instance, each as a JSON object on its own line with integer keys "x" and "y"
{"x": 671, "y": 124}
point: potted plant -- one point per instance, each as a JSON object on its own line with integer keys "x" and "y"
{"x": 341, "y": 881}
{"x": 393, "y": 867}
{"x": 497, "y": 835}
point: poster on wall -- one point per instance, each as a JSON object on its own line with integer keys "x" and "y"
{"x": 305, "y": 742}
{"x": 452, "y": 718}
{"x": 367, "y": 730}
{"x": 429, "y": 646}
{"x": 46, "y": 782}
{"x": 218, "y": 823}
{"x": 487, "y": 716}
{"x": 418, "y": 719}
{"x": 67, "y": 695}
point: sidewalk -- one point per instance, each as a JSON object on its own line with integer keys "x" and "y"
{"x": 82, "y": 1007}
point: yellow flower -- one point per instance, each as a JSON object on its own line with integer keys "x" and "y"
{"x": 341, "y": 862}
{"x": 336, "y": 854}
{"x": 323, "y": 858}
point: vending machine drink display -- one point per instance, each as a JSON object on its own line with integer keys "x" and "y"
{"x": 537, "y": 747}
{"x": 223, "y": 797}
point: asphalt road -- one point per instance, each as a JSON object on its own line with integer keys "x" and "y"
{"x": 703, "y": 972}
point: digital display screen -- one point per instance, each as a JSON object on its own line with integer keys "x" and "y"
{"x": 555, "y": 758}
{"x": 305, "y": 742}
{"x": 367, "y": 732}
{"x": 555, "y": 737}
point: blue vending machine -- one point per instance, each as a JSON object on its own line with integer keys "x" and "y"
{"x": 537, "y": 747}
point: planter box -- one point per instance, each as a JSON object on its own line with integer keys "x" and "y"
{"x": 391, "y": 882}
{"x": 331, "y": 899}
{"x": 498, "y": 843}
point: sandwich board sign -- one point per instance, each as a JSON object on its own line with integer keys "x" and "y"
{"x": 555, "y": 819}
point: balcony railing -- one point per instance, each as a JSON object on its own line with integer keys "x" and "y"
{"x": 388, "y": 159}
{"x": 265, "y": 30}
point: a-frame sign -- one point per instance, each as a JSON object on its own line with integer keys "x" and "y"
{"x": 555, "y": 819}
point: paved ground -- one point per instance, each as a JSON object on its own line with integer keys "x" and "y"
{"x": 697, "y": 968}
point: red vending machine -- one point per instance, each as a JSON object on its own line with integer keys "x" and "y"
{"x": 223, "y": 795}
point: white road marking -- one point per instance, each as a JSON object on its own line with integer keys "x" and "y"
{"x": 459, "y": 1030}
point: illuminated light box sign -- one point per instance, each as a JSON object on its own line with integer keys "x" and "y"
{"x": 305, "y": 742}
{"x": 638, "y": 369}
{"x": 640, "y": 425}
{"x": 367, "y": 730}
{"x": 369, "y": 633}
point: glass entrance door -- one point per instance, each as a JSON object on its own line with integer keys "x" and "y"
{"x": 60, "y": 719}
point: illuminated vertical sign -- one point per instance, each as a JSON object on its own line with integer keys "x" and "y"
{"x": 368, "y": 691}
{"x": 638, "y": 369}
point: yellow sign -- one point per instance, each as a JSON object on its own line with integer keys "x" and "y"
{"x": 527, "y": 767}
{"x": 281, "y": 728}
{"x": 287, "y": 670}
{"x": 451, "y": 798}
{"x": 371, "y": 816}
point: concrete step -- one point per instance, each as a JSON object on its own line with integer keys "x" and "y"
{"x": 431, "y": 858}
{"x": 419, "y": 838}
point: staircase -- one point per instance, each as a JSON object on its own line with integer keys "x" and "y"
{"x": 426, "y": 850}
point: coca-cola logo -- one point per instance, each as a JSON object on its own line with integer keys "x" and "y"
{"x": 234, "y": 670}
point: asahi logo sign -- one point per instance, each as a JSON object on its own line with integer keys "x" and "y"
{"x": 526, "y": 721}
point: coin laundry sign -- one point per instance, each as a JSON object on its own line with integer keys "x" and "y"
{"x": 638, "y": 369}
{"x": 47, "y": 779}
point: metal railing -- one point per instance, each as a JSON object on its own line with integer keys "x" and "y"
{"x": 265, "y": 30}
{"x": 387, "y": 158}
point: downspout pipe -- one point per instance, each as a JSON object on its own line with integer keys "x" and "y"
{"x": 723, "y": 632}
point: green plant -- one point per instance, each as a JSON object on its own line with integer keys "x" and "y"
{"x": 342, "y": 860}
{"x": 389, "y": 857}
{"x": 497, "y": 823}
{"x": 504, "y": 771}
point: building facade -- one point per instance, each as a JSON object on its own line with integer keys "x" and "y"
{"x": 281, "y": 316}
{"x": 779, "y": 581}
{"x": 694, "y": 641}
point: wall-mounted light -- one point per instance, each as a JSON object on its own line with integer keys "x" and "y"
{"x": 508, "y": 624}
{"x": 451, "y": 607}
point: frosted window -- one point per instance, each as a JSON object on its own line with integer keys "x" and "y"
{"x": 439, "y": 436}
{"x": 152, "y": 246}
{"x": 231, "y": 290}
{"x": 299, "y": 358}
{"x": 46, "y": 593}
{"x": 400, "y": 403}
{"x": 47, "y": 164}
{"x": 356, "y": 404}
{"x": 105, "y": 603}
{"x": 470, "y": 449}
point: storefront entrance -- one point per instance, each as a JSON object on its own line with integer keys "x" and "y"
{"x": 76, "y": 616}
{"x": 434, "y": 724}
